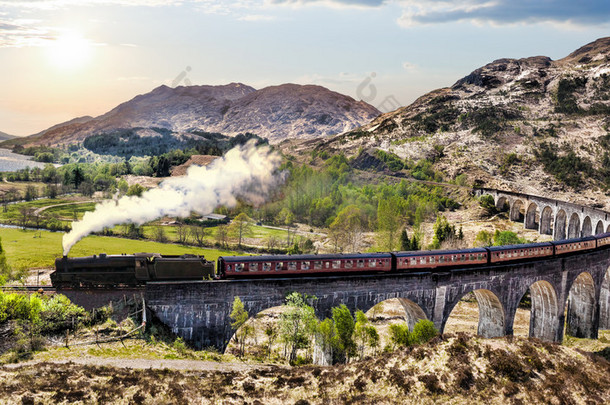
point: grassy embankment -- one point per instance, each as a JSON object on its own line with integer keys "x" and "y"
{"x": 30, "y": 249}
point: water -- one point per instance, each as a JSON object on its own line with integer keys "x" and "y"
{"x": 10, "y": 162}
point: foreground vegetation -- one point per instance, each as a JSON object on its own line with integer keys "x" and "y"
{"x": 452, "y": 369}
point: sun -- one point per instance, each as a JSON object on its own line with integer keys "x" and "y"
{"x": 70, "y": 51}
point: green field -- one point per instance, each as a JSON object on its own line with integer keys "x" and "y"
{"x": 28, "y": 249}
{"x": 68, "y": 211}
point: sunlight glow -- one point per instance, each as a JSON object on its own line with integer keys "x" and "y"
{"x": 70, "y": 51}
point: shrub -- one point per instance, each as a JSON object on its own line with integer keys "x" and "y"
{"x": 423, "y": 331}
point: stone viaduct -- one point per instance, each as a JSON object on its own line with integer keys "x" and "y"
{"x": 561, "y": 219}
{"x": 577, "y": 285}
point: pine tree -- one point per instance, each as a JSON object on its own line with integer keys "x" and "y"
{"x": 405, "y": 243}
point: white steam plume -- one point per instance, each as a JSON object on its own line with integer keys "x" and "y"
{"x": 244, "y": 171}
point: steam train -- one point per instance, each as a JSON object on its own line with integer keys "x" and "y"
{"x": 137, "y": 269}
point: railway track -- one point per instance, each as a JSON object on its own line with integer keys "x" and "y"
{"x": 28, "y": 288}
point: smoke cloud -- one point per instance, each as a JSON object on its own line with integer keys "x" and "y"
{"x": 244, "y": 172}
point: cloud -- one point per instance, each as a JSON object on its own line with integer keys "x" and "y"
{"x": 331, "y": 3}
{"x": 20, "y": 33}
{"x": 409, "y": 66}
{"x": 256, "y": 17}
{"x": 583, "y": 12}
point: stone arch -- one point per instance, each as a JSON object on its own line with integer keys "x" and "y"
{"x": 604, "y": 302}
{"x": 581, "y": 308}
{"x": 544, "y": 312}
{"x": 560, "y": 225}
{"x": 599, "y": 228}
{"x": 574, "y": 226}
{"x": 532, "y": 217}
{"x": 413, "y": 312}
{"x": 608, "y": 229}
{"x": 587, "y": 227}
{"x": 546, "y": 221}
{"x": 503, "y": 204}
{"x": 491, "y": 314}
{"x": 517, "y": 211}
{"x": 256, "y": 317}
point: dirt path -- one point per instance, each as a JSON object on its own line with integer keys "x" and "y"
{"x": 41, "y": 209}
{"x": 183, "y": 365}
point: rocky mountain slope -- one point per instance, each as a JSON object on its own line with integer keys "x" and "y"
{"x": 276, "y": 113}
{"x": 4, "y": 136}
{"x": 534, "y": 125}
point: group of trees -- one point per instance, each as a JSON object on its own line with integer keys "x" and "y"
{"x": 340, "y": 338}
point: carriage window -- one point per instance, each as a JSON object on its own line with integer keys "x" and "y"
{"x": 479, "y": 256}
{"x": 253, "y": 267}
{"x": 317, "y": 265}
{"x": 327, "y": 265}
{"x": 431, "y": 259}
{"x": 349, "y": 264}
{"x": 305, "y": 265}
{"x": 266, "y": 266}
{"x": 373, "y": 263}
{"x": 441, "y": 259}
{"x": 463, "y": 257}
{"x": 279, "y": 265}
{"x": 413, "y": 261}
{"x": 422, "y": 260}
{"x": 336, "y": 264}
{"x": 229, "y": 267}
{"x": 360, "y": 263}
{"x": 292, "y": 265}
{"x": 239, "y": 267}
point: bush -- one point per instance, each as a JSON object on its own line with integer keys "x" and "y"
{"x": 423, "y": 331}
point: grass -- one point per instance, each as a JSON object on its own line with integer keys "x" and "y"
{"x": 30, "y": 249}
{"x": 67, "y": 211}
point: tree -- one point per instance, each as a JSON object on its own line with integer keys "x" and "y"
{"x": 365, "y": 334}
{"x": 135, "y": 190}
{"x": 159, "y": 234}
{"x": 30, "y": 193}
{"x": 271, "y": 333}
{"x": 297, "y": 324}
{"x": 4, "y": 267}
{"x": 487, "y": 202}
{"x": 241, "y": 226}
{"x": 239, "y": 316}
{"x": 77, "y": 176}
{"x": 405, "y": 243}
{"x": 344, "y": 326}
{"x": 222, "y": 235}
{"x": 198, "y": 235}
{"x": 123, "y": 186}
{"x": 326, "y": 336}
{"x": 347, "y": 228}
{"x": 503, "y": 238}
{"x": 483, "y": 238}
{"x": 389, "y": 221}
{"x": 286, "y": 217}
{"x": 399, "y": 335}
{"x": 182, "y": 233}
{"x": 25, "y": 215}
{"x": 423, "y": 331}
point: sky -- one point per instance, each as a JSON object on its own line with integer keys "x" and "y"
{"x": 61, "y": 59}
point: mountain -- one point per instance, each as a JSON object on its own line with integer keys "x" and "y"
{"x": 4, "y": 136}
{"x": 276, "y": 113}
{"x": 533, "y": 124}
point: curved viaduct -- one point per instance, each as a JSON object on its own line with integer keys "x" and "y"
{"x": 576, "y": 285}
{"x": 561, "y": 219}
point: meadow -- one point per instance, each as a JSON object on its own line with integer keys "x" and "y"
{"x": 35, "y": 249}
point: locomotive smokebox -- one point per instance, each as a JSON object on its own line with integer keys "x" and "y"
{"x": 65, "y": 257}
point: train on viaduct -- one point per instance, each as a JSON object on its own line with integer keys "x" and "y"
{"x": 571, "y": 290}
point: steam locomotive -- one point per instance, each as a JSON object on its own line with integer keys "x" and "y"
{"x": 137, "y": 269}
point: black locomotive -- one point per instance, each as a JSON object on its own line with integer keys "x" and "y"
{"x": 128, "y": 270}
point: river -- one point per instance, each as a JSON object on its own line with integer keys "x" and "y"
{"x": 10, "y": 162}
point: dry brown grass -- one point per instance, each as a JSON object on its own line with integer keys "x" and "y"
{"x": 455, "y": 369}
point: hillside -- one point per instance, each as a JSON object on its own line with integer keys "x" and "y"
{"x": 534, "y": 125}
{"x": 4, "y": 136}
{"x": 455, "y": 369}
{"x": 276, "y": 113}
